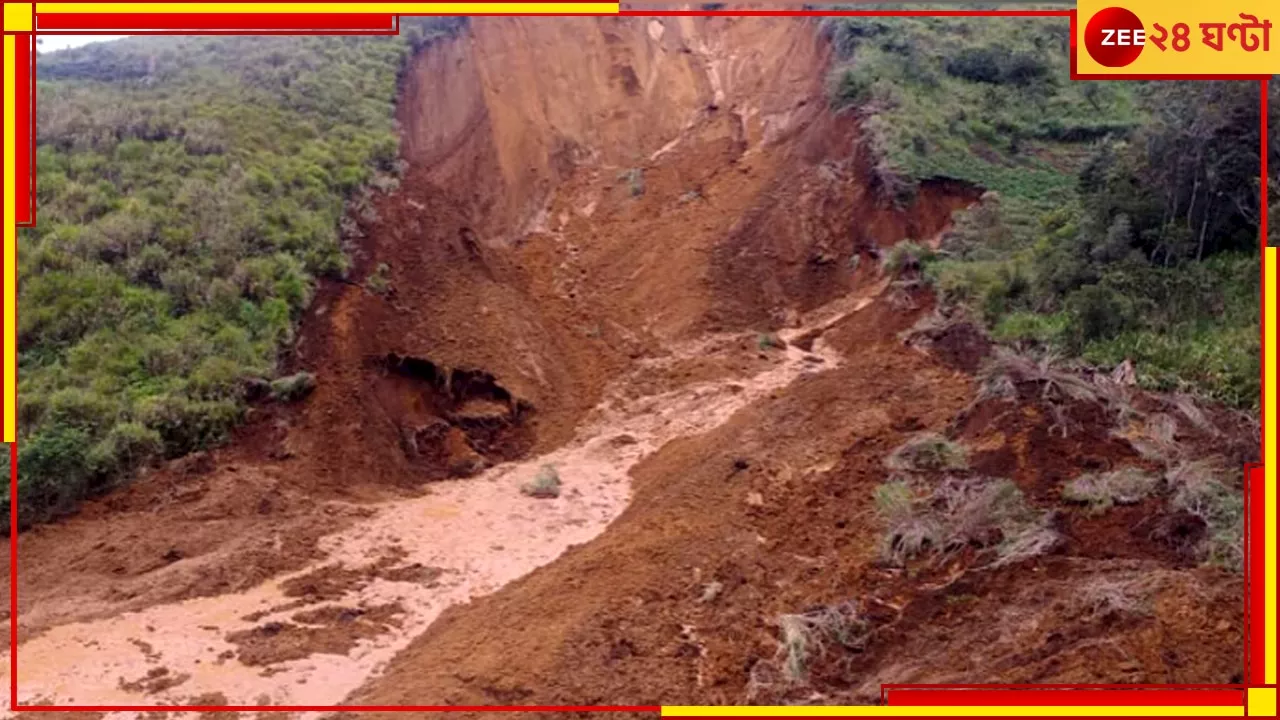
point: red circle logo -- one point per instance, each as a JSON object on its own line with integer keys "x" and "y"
{"x": 1114, "y": 37}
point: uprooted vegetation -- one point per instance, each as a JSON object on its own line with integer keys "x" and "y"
{"x": 1063, "y": 391}
{"x": 379, "y": 282}
{"x": 1201, "y": 490}
{"x": 545, "y": 485}
{"x": 1008, "y": 374}
{"x": 769, "y": 341}
{"x": 988, "y": 515}
{"x": 950, "y": 527}
{"x": 1100, "y": 491}
{"x": 1186, "y": 470}
{"x": 293, "y": 387}
{"x": 928, "y": 451}
{"x": 807, "y": 637}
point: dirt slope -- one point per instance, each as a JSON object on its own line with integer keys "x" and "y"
{"x": 773, "y": 514}
{"x": 599, "y": 218}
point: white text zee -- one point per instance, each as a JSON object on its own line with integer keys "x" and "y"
{"x": 1124, "y": 36}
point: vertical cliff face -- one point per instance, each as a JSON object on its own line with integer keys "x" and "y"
{"x": 504, "y": 113}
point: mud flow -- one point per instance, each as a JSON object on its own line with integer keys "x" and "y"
{"x": 621, "y": 399}
{"x": 313, "y": 636}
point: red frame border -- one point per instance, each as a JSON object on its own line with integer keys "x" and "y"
{"x": 905, "y": 694}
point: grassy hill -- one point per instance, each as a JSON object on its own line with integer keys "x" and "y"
{"x": 1122, "y": 217}
{"x": 191, "y": 190}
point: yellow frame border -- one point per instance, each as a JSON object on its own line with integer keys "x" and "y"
{"x": 18, "y": 18}
{"x": 395, "y": 8}
{"x": 10, "y": 240}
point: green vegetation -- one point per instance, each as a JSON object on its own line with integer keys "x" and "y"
{"x": 378, "y": 282}
{"x": 991, "y": 514}
{"x": 1100, "y": 491}
{"x": 293, "y": 387}
{"x": 545, "y": 485}
{"x": 1204, "y": 490}
{"x": 971, "y": 99}
{"x": 928, "y": 451}
{"x": 1121, "y": 219}
{"x": 769, "y": 341}
{"x": 634, "y": 179}
{"x": 905, "y": 257}
{"x": 191, "y": 191}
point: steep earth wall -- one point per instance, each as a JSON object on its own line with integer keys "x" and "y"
{"x": 580, "y": 192}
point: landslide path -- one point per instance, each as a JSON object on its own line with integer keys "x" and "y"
{"x": 313, "y": 636}
{"x": 639, "y": 252}
{"x": 599, "y": 219}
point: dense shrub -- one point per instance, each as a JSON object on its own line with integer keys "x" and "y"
{"x": 983, "y": 101}
{"x": 992, "y": 64}
{"x": 1098, "y": 312}
{"x": 1121, "y": 219}
{"x": 190, "y": 195}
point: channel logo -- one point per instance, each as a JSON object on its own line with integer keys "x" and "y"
{"x": 1114, "y": 37}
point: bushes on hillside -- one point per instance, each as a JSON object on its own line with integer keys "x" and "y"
{"x": 190, "y": 195}
{"x": 984, "y": 101}
{"x": 1139, "y": 245}
{"x": 994, "y": 64}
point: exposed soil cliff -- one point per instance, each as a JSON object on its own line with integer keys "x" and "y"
{"x": 581, "y": 192}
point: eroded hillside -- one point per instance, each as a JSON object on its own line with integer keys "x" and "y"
{"x": 644, "y": 254}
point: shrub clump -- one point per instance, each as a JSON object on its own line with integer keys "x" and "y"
{"x": 928, "y": 451}
{"x": 989, "y": 514}
{"x": 1009, "y": 375}
{"x": 1199, "y": 489}
{"x": 378, "y": 281}
{"x": 807, "y": 636}
{"x": 293, "y": 387}
{"x": 634, "y": 179}
{"x": 1100, "y": 491}
{"x": 905, "y": 258}
{"x": 545, "y": 485}
{"x": 769, "y": 341}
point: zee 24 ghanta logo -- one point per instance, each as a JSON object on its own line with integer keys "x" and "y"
{"x": 1115, "y": 37}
